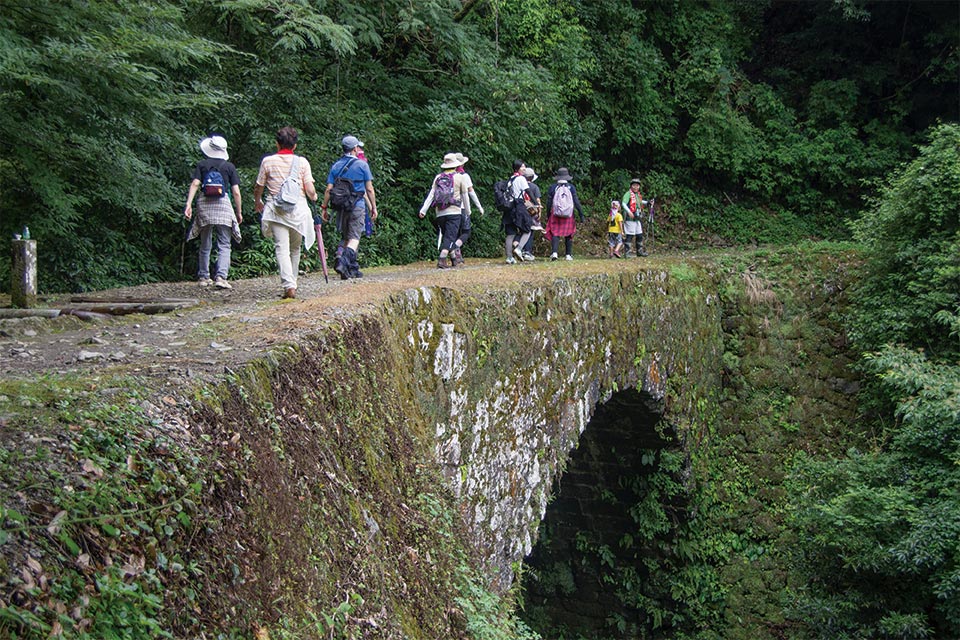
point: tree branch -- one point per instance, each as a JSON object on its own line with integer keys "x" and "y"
{"x": 465, "y": 10}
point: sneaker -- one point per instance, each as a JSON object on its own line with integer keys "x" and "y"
{"x": 569, "y": 257}
{"x": 205, "y": 282}
{"x": 221, "y": 283}
{"x": 553, "y": 257}
{"x": 528, "y": 257}
{"x": 511, "y": 261}
{"x": 517, "y": 251}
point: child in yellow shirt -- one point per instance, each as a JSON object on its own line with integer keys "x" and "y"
{"x": 615, "y": 231}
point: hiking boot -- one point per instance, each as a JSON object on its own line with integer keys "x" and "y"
{"x": 457, "y": 258}
{"x": 342, "y": 269}
{"x": 569, "y": 257}
{"x": 221, "y": 283}
{"x": 289, "y": 293}
{"x": 553, "y": 256}
{"x": 204, "y": 282}
{"x": 443, "y": 263}
{"x": 347, "y": 265}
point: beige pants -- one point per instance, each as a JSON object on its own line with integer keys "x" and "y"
{"x": 286, "y": 244}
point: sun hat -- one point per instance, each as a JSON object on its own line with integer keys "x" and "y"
{"x": 530, "y": 174}
{"x": 563, "y": 174}
{"x": 451, "y": 161}
{"x": 462, "y": 158}
{"x": 215, "y": 147}
{"x": 350, "y": 142}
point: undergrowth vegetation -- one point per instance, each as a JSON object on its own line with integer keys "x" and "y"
{"x": 120, "y": 520}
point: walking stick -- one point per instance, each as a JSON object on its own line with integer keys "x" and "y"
{"x": 650, "y": 222}
{"x": 321, "y": 250}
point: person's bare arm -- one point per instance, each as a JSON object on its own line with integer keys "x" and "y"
{"x": 188, "y": 209}
{"x": 237, "y": 206}
{"x": 372, "y": 199}
{"x": 258, "y": 198}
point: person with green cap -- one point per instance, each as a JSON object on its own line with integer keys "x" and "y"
{"x": 632, "y": 205}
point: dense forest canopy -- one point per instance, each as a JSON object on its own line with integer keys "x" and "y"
{"x": 749, "y": 120}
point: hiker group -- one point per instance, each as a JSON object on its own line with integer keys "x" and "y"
{"x": 285, "y": 183}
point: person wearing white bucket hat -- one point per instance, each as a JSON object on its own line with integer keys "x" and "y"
{"x": 466, "y": 228}
{"x": 447, "y": 194}
{"x": 216, "y": 180}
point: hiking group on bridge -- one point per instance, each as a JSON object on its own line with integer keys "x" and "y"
{"x": 285, "y": 182}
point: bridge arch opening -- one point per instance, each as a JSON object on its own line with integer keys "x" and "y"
{"x": 611, "y": 522}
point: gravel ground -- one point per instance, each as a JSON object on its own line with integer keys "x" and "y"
{"x": 228, "y": 327}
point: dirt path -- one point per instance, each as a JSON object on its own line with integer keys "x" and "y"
{"x": 230, "y": 327}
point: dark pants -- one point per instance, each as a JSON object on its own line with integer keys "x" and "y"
{"x": 568, "y": 244}
{"x": 465, "y": 229}
{"x": 449, "y": 229}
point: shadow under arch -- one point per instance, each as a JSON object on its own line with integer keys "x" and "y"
{"x": 611, "y": 517}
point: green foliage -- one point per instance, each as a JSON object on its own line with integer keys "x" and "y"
{"x": 879, "y": 529}
{"x": 912, "y": 238}
{"x": 663, "y": 570}
{"x": 89, "y": 118}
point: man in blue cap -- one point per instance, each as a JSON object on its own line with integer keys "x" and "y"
{"x": 350, "y": 219}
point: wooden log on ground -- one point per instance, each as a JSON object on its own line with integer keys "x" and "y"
{"x": 8, "y": 314}
{"x": 83, "y": 314}
{"x": 124, "y": 308}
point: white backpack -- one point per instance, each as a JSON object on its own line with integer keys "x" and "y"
{"x": 291, "y": 189}
{"x": 562, "y": 201}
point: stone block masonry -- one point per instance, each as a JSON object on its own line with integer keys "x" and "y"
{"x": 511, "y": 378}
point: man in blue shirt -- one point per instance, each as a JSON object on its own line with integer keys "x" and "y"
{"x": 350, "y": 223}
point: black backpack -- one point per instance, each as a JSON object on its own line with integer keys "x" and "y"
{"x": 342, "y": 196}
{"x": 503, "y": 195}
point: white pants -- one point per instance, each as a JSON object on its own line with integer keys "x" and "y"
{"x": 286, "y": 244}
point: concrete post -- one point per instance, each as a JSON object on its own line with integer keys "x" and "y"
{"x": 23, "y": 275}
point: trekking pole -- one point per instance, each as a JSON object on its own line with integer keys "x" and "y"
{"x": 650, "y": 222}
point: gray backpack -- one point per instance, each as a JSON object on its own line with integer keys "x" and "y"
{"x": 291, "y": 189}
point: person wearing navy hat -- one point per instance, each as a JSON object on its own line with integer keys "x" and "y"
{"x": 351, "y": 222}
